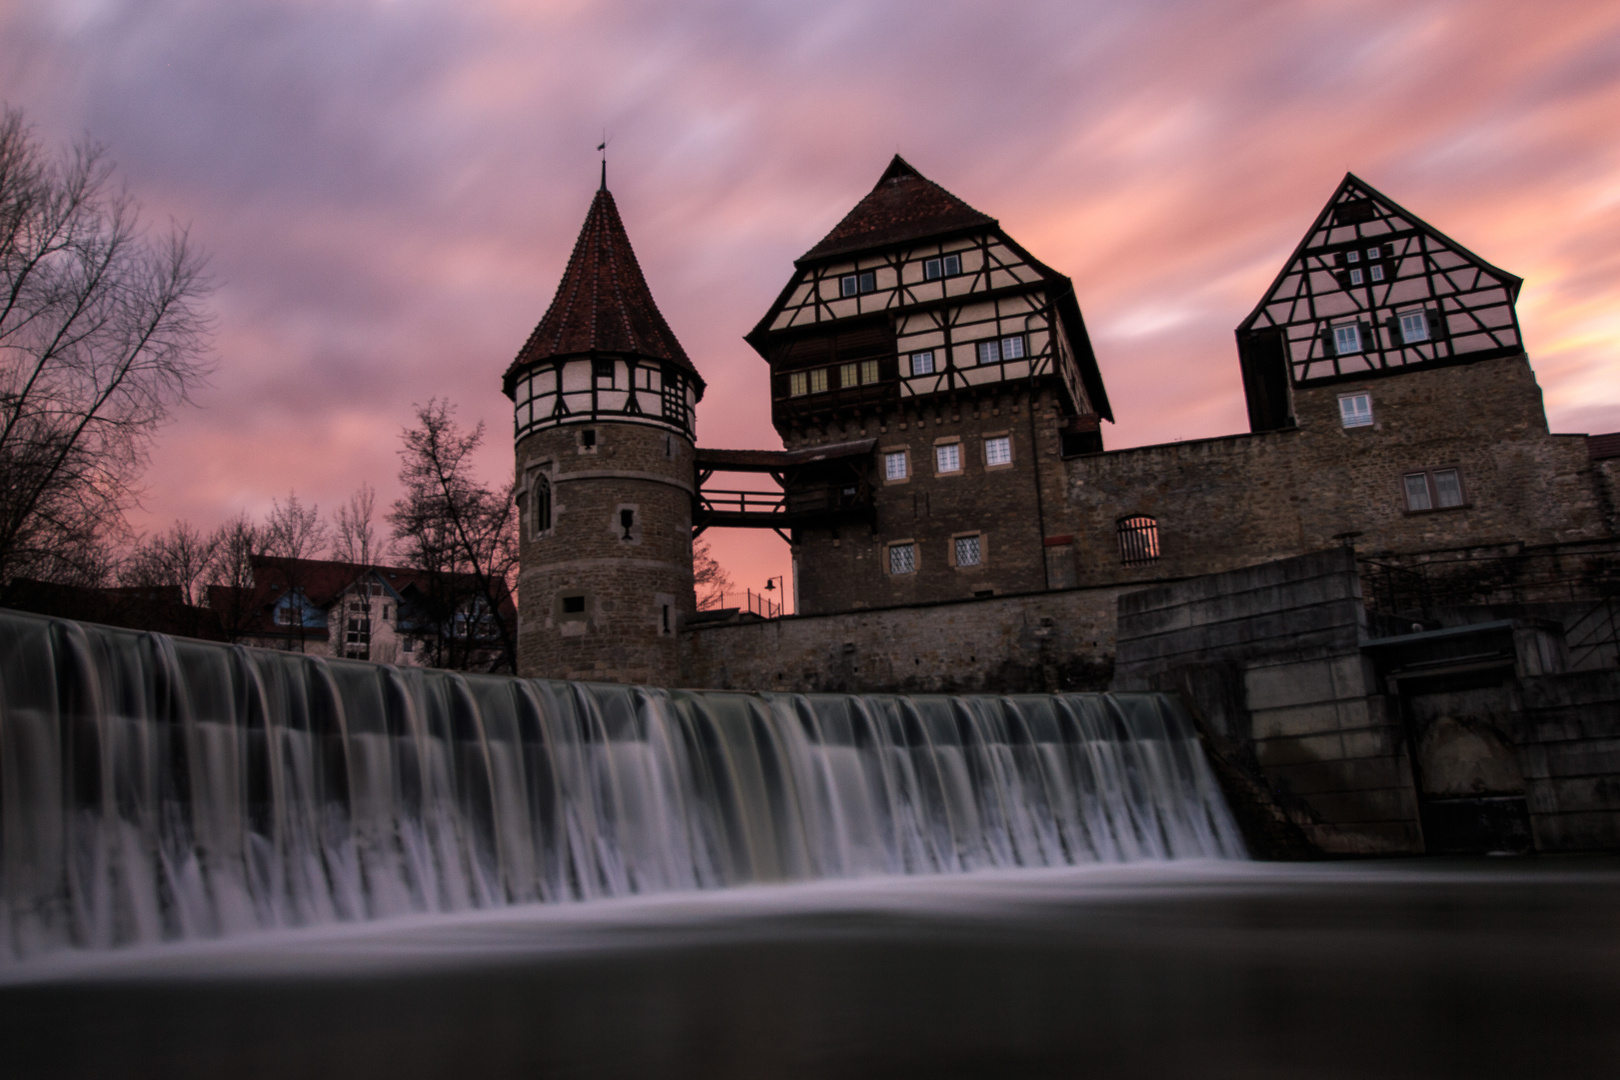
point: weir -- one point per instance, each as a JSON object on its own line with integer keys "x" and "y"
{"x": 156, "y": 788}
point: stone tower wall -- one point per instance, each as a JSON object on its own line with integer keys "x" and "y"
{"x": 637, "y": 592}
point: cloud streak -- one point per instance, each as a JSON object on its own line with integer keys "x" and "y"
{"x": 390, "y": 189}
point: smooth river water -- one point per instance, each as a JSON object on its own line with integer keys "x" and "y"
{"x": 1418, "y": 968}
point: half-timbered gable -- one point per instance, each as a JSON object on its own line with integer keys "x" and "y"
{"x": 1371, "y": 290}
{"x": 913, "y": 294}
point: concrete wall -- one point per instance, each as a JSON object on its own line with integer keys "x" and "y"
{"x": 1270, "y": 656}
{"x": 1041, "y": 642}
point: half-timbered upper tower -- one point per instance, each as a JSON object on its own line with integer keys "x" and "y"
{"x": 604, "y": 430}
{"x": 941, "y": 370}
{"x": 1371, "y": 291}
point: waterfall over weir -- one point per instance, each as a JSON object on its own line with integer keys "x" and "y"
{"x": 155, "y": 788}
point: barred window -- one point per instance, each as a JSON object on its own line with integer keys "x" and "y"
{"x": 1138, "y": 540}
{"x": 902, "y": 558}
{"x": 968, "y": 551}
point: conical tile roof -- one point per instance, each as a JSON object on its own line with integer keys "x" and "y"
{"x": 602, "y": 304}
{"x": 903, "y": 206}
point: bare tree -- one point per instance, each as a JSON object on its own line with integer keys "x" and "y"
{"x": 295, "y": 533}
{"x": 708, "y": 577}
{"x": 102, "y": 332}
{"x": 463, "y": 536}
{"x": 182, "y": 557}
{"x": 356, "y": 540}
{"x": 237, "y": 543}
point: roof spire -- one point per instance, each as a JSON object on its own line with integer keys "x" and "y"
{"x": 602, "y": 149}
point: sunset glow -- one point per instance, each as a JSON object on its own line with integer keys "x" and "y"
{"x": 390, "y": 190}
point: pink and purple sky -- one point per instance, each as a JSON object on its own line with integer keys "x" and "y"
{"x": 389, "y": 189}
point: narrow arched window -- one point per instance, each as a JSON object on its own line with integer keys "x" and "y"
{"x": 540, "y": 499}
{"x": 1138, "y": 540}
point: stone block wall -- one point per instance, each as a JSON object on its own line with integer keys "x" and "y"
{"x": 1234, "y": 501}
{"x": 1041, "y": 642}
{"x": 1570, "y": 754}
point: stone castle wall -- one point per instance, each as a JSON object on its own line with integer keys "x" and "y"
{"x": 637, "y": 590}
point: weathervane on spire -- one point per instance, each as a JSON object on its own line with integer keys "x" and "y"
{"x": 601, "y": 148}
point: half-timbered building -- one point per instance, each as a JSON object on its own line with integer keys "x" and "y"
{"x": 937, "y": 352}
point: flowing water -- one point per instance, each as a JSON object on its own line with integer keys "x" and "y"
{"x": 156, "y": 789}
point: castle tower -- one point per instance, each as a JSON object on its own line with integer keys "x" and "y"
{"x": 604, "y": 431}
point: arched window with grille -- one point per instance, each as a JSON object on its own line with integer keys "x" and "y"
{"x": 1138, "y": 540}
{"x": 540, "y": 503}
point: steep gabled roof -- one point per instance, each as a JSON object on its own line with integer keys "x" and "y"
{"x": 1353, "y": 189}
{"x": 603, "y": 304}
{"x": 903, "y": 206}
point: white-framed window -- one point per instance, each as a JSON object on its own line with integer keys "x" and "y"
{"x": 903, "y": 558}
{"x": 1433, "y": 489}
{"x": 1346, "y": 339}
{"x": 1352, "y": 256}
{"x": 1355, "y": 275}
{"x": 922, "y": 363}
{"x": 853, "y": 284}
{"x": 1355, "y": 410}
{"x": 818, "y": 381}
{"x": 798, "y": 384}
{"x": 1376, "y": 272}
{"x": 1414, "y": 327}
{"x": 944, "y": 266}
{"x": 948, "y": 457}
{"x": 895, "y": 465}
{"x": 998, "y": 450}
{"x": 999, "y": 349}
{"x": 969, "y": 550}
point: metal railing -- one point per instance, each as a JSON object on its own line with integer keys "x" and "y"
{"x": 755, "y": 603}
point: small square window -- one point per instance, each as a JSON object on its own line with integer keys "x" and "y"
{"x": 1352, "y": 256}
{"x": 603, "y": 371}
{"x": 408, "y": 645}
{"x": 1355, "y": 277}
{"x": 869, "y": 372}
{"x": 587, "y": 438}
{"x": 894, "y": 465}
{"x": 922, "y": 363}
{"x": 1373, "y": 253}
{"x": 948, "y": 458}
{"x": 798, "y": 384}
{"x": 998, "y": 450}
{"x": 989, "y": 352}
{"x": 1376, "y": 272}
{"x": 1355, "y": 410}
{"x": 968, "y": 551}
{"x": 1346, "y": 340}
{"x": 1414, "y": 327}
{"x": 818, "y": 381}
{"x": 902, "y": 558}
{"x": 573, "y": 605}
